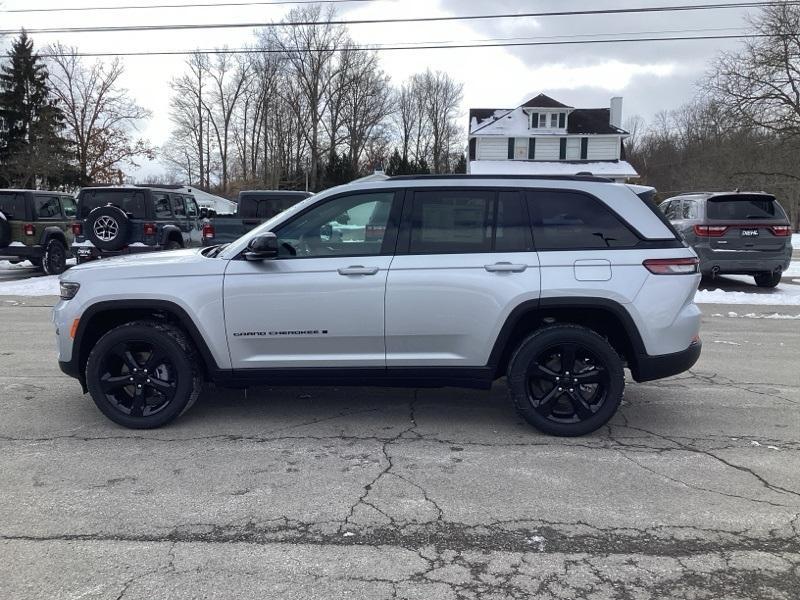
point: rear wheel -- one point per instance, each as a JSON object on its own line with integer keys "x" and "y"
{"x": 566, "y": 380}
{"x": 173, "y": 245}
{"x": 143, "y": 374}
{"x": 54, "y": 260}
{"x": 767, "y": 280}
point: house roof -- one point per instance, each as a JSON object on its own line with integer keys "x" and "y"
{"x": 542, "y": 101}
{"x": 591, "y": 120}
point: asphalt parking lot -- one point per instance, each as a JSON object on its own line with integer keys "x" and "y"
{"x": 692, "y": 491}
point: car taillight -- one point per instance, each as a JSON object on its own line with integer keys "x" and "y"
{"x": 149, "y": 228}
{"x": 29, "y": 229}
{"x": 710, "y": 230}
{"x": 781, "y": 230}
{"x": 77, "y": 229}
{"x": 208, "y": 231}
{"x": 672, "y": 266}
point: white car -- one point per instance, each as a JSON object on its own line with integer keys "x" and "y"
{"x": 556, "y": 284}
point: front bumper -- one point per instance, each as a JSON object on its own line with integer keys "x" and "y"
{"x": 648, "y": 367}
{"x": 743, "y": 262}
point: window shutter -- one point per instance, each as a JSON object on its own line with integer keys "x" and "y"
{"x": 562, "y": 120}
{"x": 472, "y": 148}
{"x": 562, "y": 151}
{"x": 531, "y": 148}
{"x": 584, "y": 148}
{"x": 535, "y": 120}
{"x": 510, "y": 148}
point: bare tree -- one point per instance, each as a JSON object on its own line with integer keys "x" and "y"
{"x": 186, "y": 149}
{"x": 100, "y": 116}
{"x": 442, "y": 98}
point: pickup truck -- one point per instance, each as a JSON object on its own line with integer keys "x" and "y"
{"x": 254, "y": 207}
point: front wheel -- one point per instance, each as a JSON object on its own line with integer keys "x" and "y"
{"x": 566, "y": 380}
{"x": 768, "y": 280}
{"x": 143, "y": 374}
{"x": 54, "y": 260}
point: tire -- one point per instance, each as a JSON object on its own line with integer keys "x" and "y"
{"x": 5, "y": 231}
{"x": 767, "y": 280}
{"x": 36, "y": 262}
{"x": 536, "y": 373}
{"x": 173, "y": 245}
{"x": 54, "y": 260}
{"x": 127, "y": 353}
{"x": 107, "y": 227}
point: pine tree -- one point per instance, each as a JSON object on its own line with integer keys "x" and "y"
{"x": 461, "y": 164}
{"x": 32, "y": 150}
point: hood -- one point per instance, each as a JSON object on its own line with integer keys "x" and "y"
{"x": 170, "y": 263}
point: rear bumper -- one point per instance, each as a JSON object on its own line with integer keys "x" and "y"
{"x": 649, "y": 367}
{"x": 21, "y": 252}
{"x": 743, "y": 261}
{"x": 84, "y": 252}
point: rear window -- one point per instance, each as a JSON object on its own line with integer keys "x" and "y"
{"x": 130, "y": 201}
{"x": 744, "y": 208}
{"x": 12, "y": 205}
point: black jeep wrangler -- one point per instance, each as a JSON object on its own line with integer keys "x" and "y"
{"x": 37, "y": 226}
{"x": 124, "y": 220}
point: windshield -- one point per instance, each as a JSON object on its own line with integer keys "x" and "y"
{"x": 743, "y": 208}
{"x": 130, "y": 201}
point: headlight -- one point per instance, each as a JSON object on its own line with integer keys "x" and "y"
{"x": 69, "y": 289}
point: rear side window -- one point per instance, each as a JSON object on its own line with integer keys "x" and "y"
{"x": 458, "y": 221}
{"x": 12, "y": 205}
{"x": 564, "y": 220}
{"x": 743, "y": 208}
{"x": 191, "y": 206}
{"x": 161, "y": 206}
{"x": 512, "y": 233}
{"x": 130, "y": 201}
{"x": 47, "y": 207}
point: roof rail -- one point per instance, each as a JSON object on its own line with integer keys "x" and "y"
{"x": 531, "y": 177}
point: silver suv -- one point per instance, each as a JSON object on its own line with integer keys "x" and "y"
{"x": 742, "y": 233}
{"x": 556, "y": 284}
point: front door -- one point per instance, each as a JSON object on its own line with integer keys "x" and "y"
{"x": 320, "y": 303}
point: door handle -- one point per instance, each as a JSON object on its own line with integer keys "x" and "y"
{"x": 505, "y": 267}
{"x": 358, "y": 270}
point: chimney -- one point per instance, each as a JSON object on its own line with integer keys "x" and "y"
{"x": 615, "y": 120}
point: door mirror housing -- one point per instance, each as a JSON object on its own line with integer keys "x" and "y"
{"x": 262, "y": 247}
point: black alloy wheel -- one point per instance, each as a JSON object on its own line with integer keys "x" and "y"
{"x": 143, "y": 374}
{"x": 566, "y": 380}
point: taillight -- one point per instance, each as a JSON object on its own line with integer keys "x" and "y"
{"x": 149, "y": 228}
{"x": 710, "y": 230}
{"x": 208, "y": 231}
{"x": 672, "y": 266}
{"x": 29, "y": 229}
{"x": 781, "y": 230}
{"x": 77, "y": 229}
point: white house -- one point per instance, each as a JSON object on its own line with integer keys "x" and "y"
{"x": 545, "y": 137}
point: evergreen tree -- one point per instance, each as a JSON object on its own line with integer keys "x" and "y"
{"x": 32, "y": 150}
{"x": 461, "y": 164}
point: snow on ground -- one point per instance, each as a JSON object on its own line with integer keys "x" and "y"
{"x": 784, "y": 294}
{"x": 734, "y": 315}
{"x": 796, "y": 241}
{"x": 33, "y": 286}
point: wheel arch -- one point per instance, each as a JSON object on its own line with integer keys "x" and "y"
{"x": 53, "y": 232}
{"x": 606, "y": 317}
{"x": 171, "y": 233}
{"x": 101, "y": 317}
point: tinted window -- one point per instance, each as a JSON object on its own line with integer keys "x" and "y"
{"x": 47, "y": 207}
{"x": 161, "y": 206}
{"x": 571, "y": 220}
{"x": 266, "y": 206}
{"x": 70, "y": 207}
{"x": 130, "y": 201}
{"x": 458, "y": 221}
{"x": 178, "y": 207}
{"x": 742, "y": 208}
{"x": 513, "y": 228}
{"x": 191, "y": 207}
{"x": 12, "y": 205}
{"x": 346, "y": 226}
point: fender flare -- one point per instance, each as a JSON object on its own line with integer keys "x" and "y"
{"x": 53, "y": 232}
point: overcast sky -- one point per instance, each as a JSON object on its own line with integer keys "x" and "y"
{"x": 650, "y": 76}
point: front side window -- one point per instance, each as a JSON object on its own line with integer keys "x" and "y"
{"x": 572, "y": 220}
{"x": 70, "y": 206}
{"x": 346, "y": 226}
{"x": 671, "y": 209}
{"x": 458, "y": 221}
{"x": 48, "y": 207}
{"x": 162, "y": 206}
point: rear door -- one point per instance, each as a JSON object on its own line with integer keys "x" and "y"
{"x": 465, "y": 258}
{"x": 748, "y": 220}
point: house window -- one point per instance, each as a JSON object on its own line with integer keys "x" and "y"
{"x": 543, "y": 120}
{"x": 553, "y": 120}
{"x": 562, "y": 149}
{"x": 531, "y": 148}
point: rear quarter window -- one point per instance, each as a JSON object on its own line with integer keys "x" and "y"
{"x": 743, "y": 208}
{"x": 12, "y": 205}
{"x": 132, "y": 202}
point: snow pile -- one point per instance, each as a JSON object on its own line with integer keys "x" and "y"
{"x": 734, "y": 315}
{"x": 785, "y": 295}
{"x": 33, "y": 286}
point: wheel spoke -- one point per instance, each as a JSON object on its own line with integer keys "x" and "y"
{"x": 109, "y": 382}
{"x": 580, "y": 405}
{"x": 164, "y": 387}
{"x": 546, "y": 404}
{"x": 156, "y": 358}
{"x": 587, "y": 377}
{"x": 137, "y": 407}
{"x": 568, "y": 352}
{"x": 130, "y": 360}
{"x": 539, "y": 371}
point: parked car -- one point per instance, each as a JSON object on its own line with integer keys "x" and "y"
{"x": 253, "y": 208}
{"x": 741, "y": 233}
{"x": 36, "y": 225}
{"x": 554, "y": 283}
{"x": 125, "y": 220}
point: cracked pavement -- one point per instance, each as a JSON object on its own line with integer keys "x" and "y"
{"x": 692, "y": 490}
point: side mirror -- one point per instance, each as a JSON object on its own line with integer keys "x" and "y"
{"x": 262, "y": 247}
